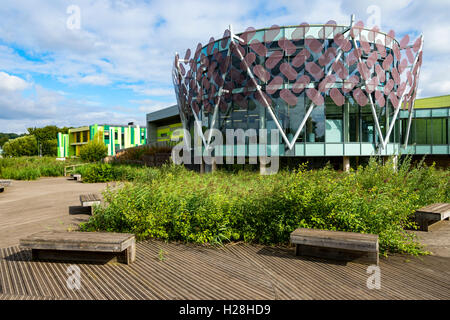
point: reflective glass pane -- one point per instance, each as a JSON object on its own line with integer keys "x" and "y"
{"x": 421, "y": 131}
{"x": 439, "y": 131}
{"x": 333, "y": 122}
{"x": 367, "y": 125}
{"x": 353, "y": 123}
{"x": 315, "y": 126}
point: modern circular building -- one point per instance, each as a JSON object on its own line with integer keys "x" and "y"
{"x": 329, "y": 90}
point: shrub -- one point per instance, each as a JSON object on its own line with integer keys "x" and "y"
{"x": 98, "y": 173}
{"x": 4, "y": 137}
{"x": 93, "y": 151}
{"x": 23, "y": 146}
{"x": 118, "y": 172}
{"x": 41, "y": 141}
{"x": 49, "y": 147}
{"x": 137, "y": 153}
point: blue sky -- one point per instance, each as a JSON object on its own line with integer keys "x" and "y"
{"x": 117, "y": 66}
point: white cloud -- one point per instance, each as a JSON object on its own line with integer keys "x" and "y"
{"x": 148, "y": 105}
{"x": 47, "y": 107}
{"x": 98, "y": 80}
{"x": 12, "y": 83}
{"x": 149, "y": 90}
{"x": 131, "y": 44}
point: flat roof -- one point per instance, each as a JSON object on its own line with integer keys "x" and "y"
{"x": 433, "y": 102}
{"x": 79, "y": 129}
{"x": 119, "y": 125}
{"x": 87, "y": 128}
{"x": 163, "y": 113}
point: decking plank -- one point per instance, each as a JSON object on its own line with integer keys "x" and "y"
{"x": 238, "y": 271}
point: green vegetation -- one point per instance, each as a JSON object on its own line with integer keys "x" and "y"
{"x": 47, "y": 139}
{"x": 38, "y": 141}
{"x": 93, "y": 151}
{"x": 139, "y": 153}
{"x": 19, "y": 147}
{"x": 32, "y": 168}
{"x": 172, "y": 203}
{"x": 4, "y": 137}
{"x": 103, "y": 172}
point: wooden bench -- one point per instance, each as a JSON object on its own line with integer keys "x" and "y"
{"x": 76, "y": 177}
{"x": 430, "y": 214}
{"x": 89, "y": 200}
{"x": 337, "y": 245}
{"x": 5, "y": 183}
{"x": 95, "y": 247}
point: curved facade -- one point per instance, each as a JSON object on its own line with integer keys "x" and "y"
{"x": 329, "y": 90}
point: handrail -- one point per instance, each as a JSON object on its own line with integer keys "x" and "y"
{"x": 73, "y": 166}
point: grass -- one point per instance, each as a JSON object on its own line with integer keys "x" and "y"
{"x": 100, "y": 172}
{"x": 32, "y": 168}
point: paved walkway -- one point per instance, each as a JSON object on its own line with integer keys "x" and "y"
{"x": 27, "y": 207}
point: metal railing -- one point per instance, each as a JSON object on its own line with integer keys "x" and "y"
{"x": 71, "y": 168}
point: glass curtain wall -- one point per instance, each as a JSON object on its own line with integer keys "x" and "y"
{"x": 431, "y": 131}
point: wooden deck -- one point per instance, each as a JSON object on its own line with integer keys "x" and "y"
{"x": 238, "y": 271}
{"x": 192, "y": 272}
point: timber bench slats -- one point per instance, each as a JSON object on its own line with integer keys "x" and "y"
{"x": 91, "y": 197}
{"x": 5, "y": 183}
{"x": 430, "y": 214}
{"x": 336, "y": 245}
{"x": 81, "y": 246}
{"x": 76, "y": 177}
{"x": 89, "y": 200}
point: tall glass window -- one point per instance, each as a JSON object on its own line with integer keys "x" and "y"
{"x": 421, "y": 131}
{"x": 296, "y": 116}
{"x": 239, "y": 118}
{"x": 404, "y": 127}
{"x": 352, "y": 121}
{"x": 333, "y": 122}
{"x": 367, "y": 125}
{"x": 293, "y": 117}
{"x": 281, "y": 110}
{"x": 315, "y": 126}
{"x": 253, "y": 116}
{"x": 439, "y": 130}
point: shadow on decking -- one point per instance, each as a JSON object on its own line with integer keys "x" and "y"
{"x": 82, "y": 257}
{"x": 289, "y": 253}
{"x": 74, "y": 210}
{"x": 21, "y": 255}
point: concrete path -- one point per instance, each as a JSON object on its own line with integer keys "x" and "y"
{"x": 27, "y": 207}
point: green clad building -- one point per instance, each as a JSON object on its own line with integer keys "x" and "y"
{"x": 115, "y": 137}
